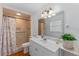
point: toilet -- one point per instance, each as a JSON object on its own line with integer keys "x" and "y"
{"x": 26, "y": 47}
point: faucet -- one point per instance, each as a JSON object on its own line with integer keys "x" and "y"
{"x": 42, "y": 36}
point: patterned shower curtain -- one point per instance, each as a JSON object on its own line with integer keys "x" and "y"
{"x": 8, "y": 36}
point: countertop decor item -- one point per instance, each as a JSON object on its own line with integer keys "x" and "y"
{"x": 68, "y": 40}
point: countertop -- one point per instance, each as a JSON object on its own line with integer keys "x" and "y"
{"x": 52, "y": 45}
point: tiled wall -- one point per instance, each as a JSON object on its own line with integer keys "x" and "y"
{"x": 22, "y": 31}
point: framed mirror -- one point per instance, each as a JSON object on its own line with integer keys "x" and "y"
{"x": 54, "y": 26}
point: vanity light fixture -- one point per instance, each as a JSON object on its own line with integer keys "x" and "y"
{"x": 18, "y": 14}
{"x": 48, "y": 13}
{"x": 53, "y": 14}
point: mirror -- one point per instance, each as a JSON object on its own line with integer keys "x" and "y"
{"x": 41, "y": 26}
{"x": 54, "y": 26}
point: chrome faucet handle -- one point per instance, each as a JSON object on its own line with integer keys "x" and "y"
{"x": 42, "y": 35}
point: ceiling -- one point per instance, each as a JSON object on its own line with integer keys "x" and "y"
{"x": 34, "y": 7}
{"x": 30, "y": 7}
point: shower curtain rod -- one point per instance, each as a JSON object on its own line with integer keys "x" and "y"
{"x": 9, "y": 16}
{"x": 17, "y": 18}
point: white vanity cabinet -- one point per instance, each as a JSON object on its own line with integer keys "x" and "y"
{"x": 40, "y": 47}
{"x": 36, "y": 49}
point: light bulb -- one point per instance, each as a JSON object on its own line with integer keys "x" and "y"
{"x": 49, "y": 16}
{"x": 18, "y": 14}
{"x": 50, "y": 11}
{"x": 53, "y": 14}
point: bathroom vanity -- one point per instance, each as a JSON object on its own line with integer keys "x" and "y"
{"x": 40, "y": 47}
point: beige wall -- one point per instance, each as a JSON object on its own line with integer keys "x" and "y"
{"x": 22, "y": 31}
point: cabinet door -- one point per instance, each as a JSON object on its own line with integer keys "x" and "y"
{"x": 32, "y": 49}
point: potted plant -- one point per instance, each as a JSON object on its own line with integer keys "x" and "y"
{"x": 68, "y": 40}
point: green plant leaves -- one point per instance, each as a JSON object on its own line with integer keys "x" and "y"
{"x": 68, "y": 37}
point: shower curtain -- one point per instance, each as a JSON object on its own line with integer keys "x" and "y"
{"x": 8, "y": 36}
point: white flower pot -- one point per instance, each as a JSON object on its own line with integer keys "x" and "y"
{"x": 68, "y": 44}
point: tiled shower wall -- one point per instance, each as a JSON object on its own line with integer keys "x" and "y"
{"x": 22, "y": 31}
